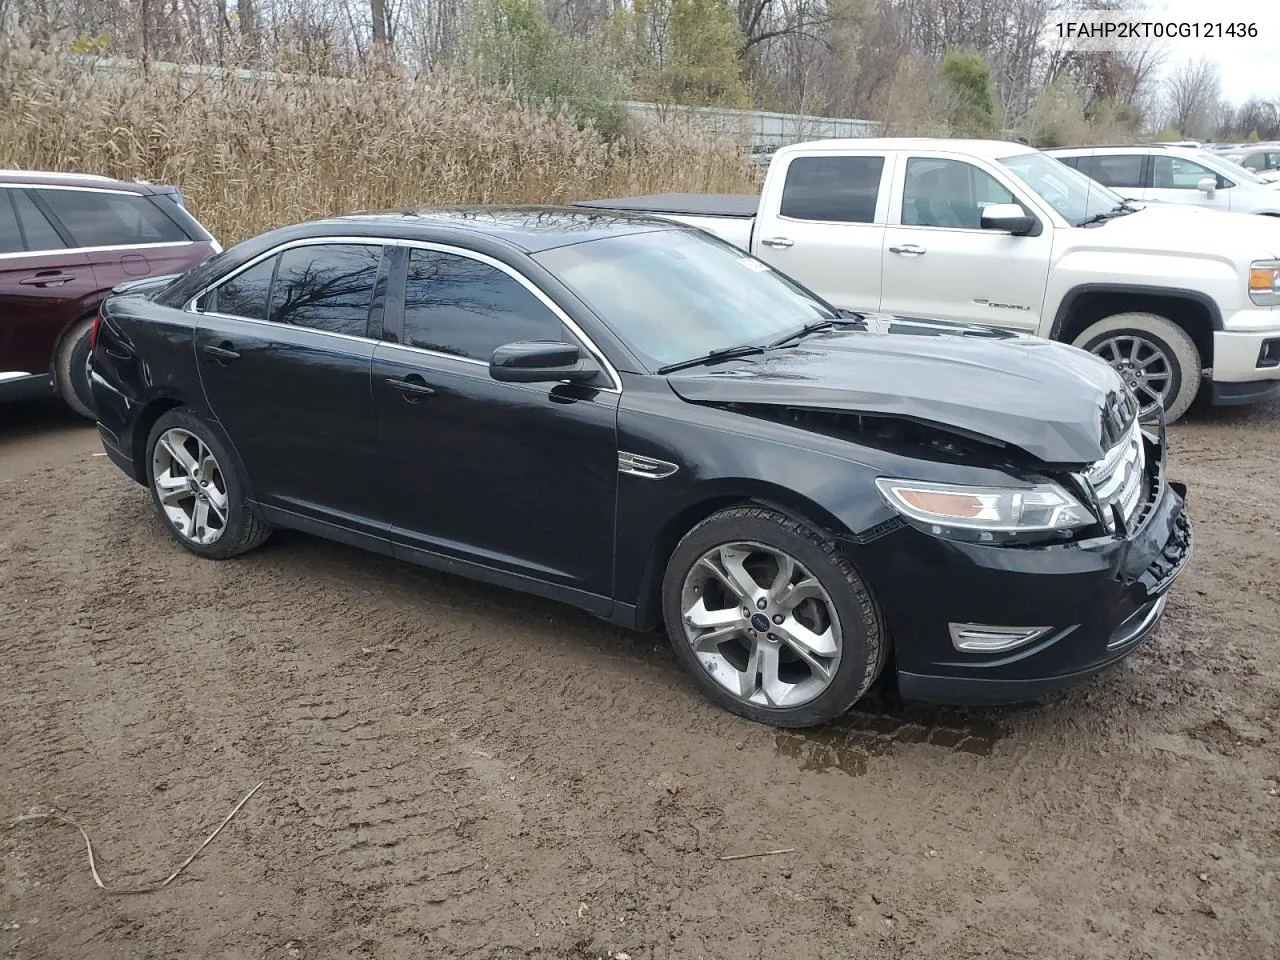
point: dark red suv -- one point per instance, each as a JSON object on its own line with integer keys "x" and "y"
{"x": 65, "y": 241}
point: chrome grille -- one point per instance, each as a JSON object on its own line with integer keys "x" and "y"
{"x": 1119, "y": 478}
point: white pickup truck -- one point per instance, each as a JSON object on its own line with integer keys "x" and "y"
{"x": 1002, "y": 235}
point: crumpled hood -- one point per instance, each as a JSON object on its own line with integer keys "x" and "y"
{"x": 1057, "y": 403}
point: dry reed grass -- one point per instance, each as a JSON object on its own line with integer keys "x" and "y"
{"x": 250, "y": 154}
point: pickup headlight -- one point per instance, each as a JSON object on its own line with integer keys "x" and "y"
{"x": 987, "y": 513}
{"x": 1264, "y": 282}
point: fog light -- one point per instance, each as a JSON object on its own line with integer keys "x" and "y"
{"x": 985, "y": 638}
{"x": 1269, "y": 355}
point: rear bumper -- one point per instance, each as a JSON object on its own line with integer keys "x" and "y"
{"x": 22, "y": 386}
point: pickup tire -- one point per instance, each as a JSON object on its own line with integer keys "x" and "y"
{"x": 1155, "y": 356}
{"x": 71, "y": 371}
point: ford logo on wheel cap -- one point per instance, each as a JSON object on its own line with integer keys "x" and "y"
{"x": 760, "y": 622}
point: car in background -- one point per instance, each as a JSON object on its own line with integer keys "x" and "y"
{"x": 1167, "y": 174}
{"x": 1261, "y": 158}
{"x": 65, "y": 241}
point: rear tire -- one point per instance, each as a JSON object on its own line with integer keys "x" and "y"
{"x": 1162, "y": 344}
{"x": 197, "y": 488}
{"x": 71, "y": 369}
{"x": 771, "y": 618}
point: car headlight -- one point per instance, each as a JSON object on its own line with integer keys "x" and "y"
{"x": 987, "y": 513}
{"x": 1264, "y": 282}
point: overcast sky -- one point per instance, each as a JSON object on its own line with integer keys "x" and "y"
{"x": 1249, "y": 67}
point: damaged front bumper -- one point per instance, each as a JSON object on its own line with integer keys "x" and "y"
{"x": 1071, "y": 610}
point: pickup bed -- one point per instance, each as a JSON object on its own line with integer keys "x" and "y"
{"x": 1002, "y": 235}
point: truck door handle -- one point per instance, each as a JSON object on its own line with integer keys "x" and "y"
{"x": 777, "y": 242}
{"x": 413, "y": 387}
{"x": 48, "y": 278}
{"x": 223, "y": 354}
{"x": 909, "y": 250}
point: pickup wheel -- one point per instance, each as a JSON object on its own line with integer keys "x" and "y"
{"x": 771, "y": 619}
{"x": 197, "y": 490}
{"x": 71, "y": 369}
{"x": 1153, "y": 355}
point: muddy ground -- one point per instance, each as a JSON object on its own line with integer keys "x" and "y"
{"x": 459, "y": 771}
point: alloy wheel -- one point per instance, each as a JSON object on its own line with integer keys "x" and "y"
{"x": 760, "y": 624}
{"x": 1143, "y": 365}
{"x": 190, "y": 486}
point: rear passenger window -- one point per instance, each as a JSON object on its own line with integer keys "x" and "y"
{"x": 10, "y": 238}
{"x": 96, "y": 219}
{"x": 467, "y": 308}
{"x": 326, "y": 287}
{"x": 836, "y": 189}
{"x": 36, "y": 228}
{"x": 1114, "y": 170}
{"x": 245, "y": 294}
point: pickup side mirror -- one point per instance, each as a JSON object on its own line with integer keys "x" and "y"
{"x": 541, "y": 361}
{"x": 1208, "y": 186}
{"x": 1009, "y": 217}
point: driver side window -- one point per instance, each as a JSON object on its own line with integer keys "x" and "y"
{"x": 948, "y": 193}
{"x": 466, "y": 308}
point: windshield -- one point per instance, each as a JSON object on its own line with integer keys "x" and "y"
{"x": 674, "y": 295}
{"x": 1068, "y": 191}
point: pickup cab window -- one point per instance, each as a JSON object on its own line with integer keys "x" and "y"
{"x": 832, "y": 189}
{"x": 948, "y": 193}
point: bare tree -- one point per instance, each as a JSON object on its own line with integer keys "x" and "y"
{"x": 1191, "y": 94}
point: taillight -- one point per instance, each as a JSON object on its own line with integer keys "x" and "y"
{"x": 93, "y": 334}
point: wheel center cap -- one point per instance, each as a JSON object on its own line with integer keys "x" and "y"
{"x": 759, "y": 622}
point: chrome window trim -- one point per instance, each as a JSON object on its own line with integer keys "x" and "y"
{"x": 564, "y": 318}
{"x": 434, "y": 353}
{"x": 106, "y": 249}
{"x": 288, "y": 326}
{"x": 121, "y": 191}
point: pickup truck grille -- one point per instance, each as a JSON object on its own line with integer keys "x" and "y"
{"x": 1119, "y": 478}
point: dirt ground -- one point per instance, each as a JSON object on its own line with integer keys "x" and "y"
{"x": 459, "y": 771}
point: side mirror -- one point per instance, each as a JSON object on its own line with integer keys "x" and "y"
{"x": 1007, "y": 216}
{"x": 1208, "y": 186}
{"x": 541, "y": 361}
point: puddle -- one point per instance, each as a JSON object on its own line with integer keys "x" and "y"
{"x": 875, "y": 730}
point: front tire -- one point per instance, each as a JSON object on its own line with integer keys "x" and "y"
{"x": 1153, "y": 355}
{"x": 71, "y": 369}
{"x": 197, "y": 488}
{"x": 771, "y": 619}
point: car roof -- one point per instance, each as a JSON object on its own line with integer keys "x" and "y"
{"x": 528, "y": 228}
{"x": 987, "y": 149}
{"x": 48, "y": 178}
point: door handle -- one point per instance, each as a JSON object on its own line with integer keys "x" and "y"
{"x": 223, "y": 354}
{"x": 778, "y": 242}
{"x": 413, "y": 387}
{"x": 909, "y": 250}
{"x": 50, "y": 279}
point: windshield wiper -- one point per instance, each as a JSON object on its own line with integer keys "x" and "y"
{"x": 817, "y": 326}
{"x": 1120, "y": 211}
{"x": 711, "y": 356}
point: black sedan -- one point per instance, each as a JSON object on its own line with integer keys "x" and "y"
{"x": 637, "y": 419}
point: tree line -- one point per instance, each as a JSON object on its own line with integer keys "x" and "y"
{"x": 965, "y": 67}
